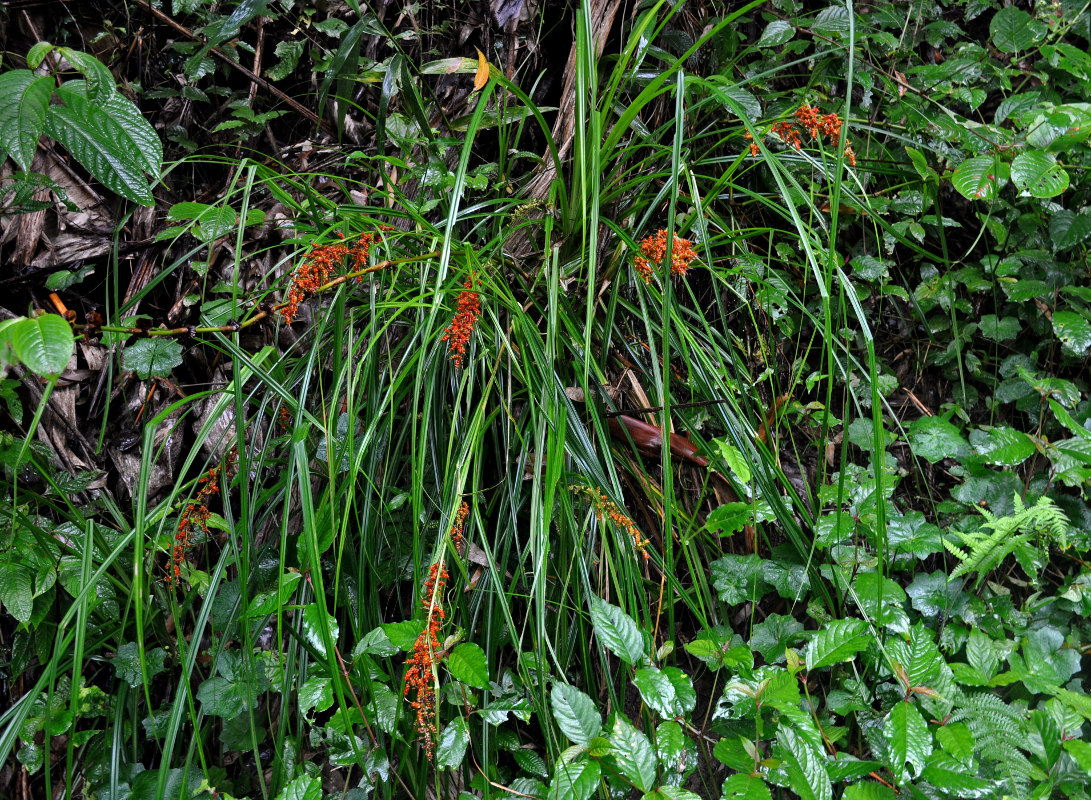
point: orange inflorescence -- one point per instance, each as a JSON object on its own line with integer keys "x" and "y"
{"x": 816, "y": 124}
{"x": 427, "y": 650}
{"x": 457, "y": 334}
{"x": 607, "y": 509}
{"x": 194, "y": 517}
{"x": 322, "y": 264}
{"x": 654, "y": 248}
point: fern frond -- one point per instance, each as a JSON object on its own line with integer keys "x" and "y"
{"x": 999, "y": 537}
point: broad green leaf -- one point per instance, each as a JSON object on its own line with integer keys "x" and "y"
{"x": 729, "y": 518}
{"x": 384, "y": 706}
{"x": 16, "y": 590}
{"x": 111, "y": 139}
{"x": 575, "y": 714}
{"x": 738, "y": 578}
{"x": 908, "y": 741}
{"x": 304, "y": 787}
{"x": 634, "y": 753}
{"x": 288, "y": 53}
{"x": 734, "y": 459}
{"x": 1080, "y": 752}
{"x": 935, "y": 438}
{"x": 949, "y": 775}
{"x": 467, "y": 664}
{"x": 671, "y": 793}
{"x": 980, "y": 177}
{"x": 957, "y": 740}
{"x": 740, "y": 97}
{"x": 1067, "y": 229}
{"x": 806, "y": 766}
{"x": 776, "y": 33}
{"x": 574, "y": 780}
{"x": 1012, "y": 29}
{"x": 313, "y": 625}
{"x": 617, "y": 631}
{"x": 1003, "y": 446}
{"x": 403, "y": 635}
{"x": 839, "y": 640}
{"x": 24, "y": 101}
{"x": 155, "y": 355}
{"x": 1038, "y": 174}
{"x": 220, "y": 697}
{"x": 127, "y": 663}
{"x": 677, "y": 752}
{"x": 667, "y": 691}
{"x": 268, "y": 602}
{"x": 530, "y": 762}
{"x": 999, "y": 329}
{"x": 920, "y": 657}
{"x": 100, "y": 82}
{"x": 44, "y": 344}
{"x": 920, "y": 164}
{"x": 1073, "y": 330}
{"x": 315, "y": 695}
{"x": 868, "y": 790}
{"x": 742, "y": 786}
{"x": 452, "y": 744}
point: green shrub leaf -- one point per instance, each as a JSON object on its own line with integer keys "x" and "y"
{"x": 617, "y": 631}
{"x": 574, "y": 780}
{"x": 667, "y": 691}
{"x": 806, "y": 766}
{"x": 452, "y": 744}
{"x": 908, "y": 739}
{"x": 304, "y": 787}
{"x": 1038, "y": 174}
{"x": 156, "y": 355}
{"x": 44, "y": 344}
{"x": 935, "y": 438}
{"x": 16, "y": 592}
{"x": 467, "y": 664}
{"x": 1067, "y": 229}
{"x": 1013, "y": 29}
{"x": 1073, "y": 330}
{"x": 575, "y": 714}
{"x": 980, "y": 177}
{"x": 776, "y": 33}
{"x": 742, "y": 786}
{"x": 839, "y": 640}
{"x": 634, "y": 753}
{"x": 24, "y": 101}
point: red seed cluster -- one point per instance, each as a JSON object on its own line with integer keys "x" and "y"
{"x": 457, "y": 334}
{"x": 654, "y": 249}
{"x": 322, "y": 264}
{"x": 816, "y": 124}
{"x": 607, "y": 509}
{"x": 427, "y": 650}
{"x": 194, "y": 517}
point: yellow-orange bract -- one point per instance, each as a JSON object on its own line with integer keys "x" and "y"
{"x": 654, "y": 248}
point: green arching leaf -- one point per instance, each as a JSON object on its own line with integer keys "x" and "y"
{"x": 127, "y": 663}
{"x": 16, "y": 590}
{"x": 44, "y": 344}
{"x": 949, "y": 775}
{"x": 980, "y": 177}
{"x": 738, "y": 578}
{"x": 617, "y": 631}
{"x": 315, "y": 695}
{"x": 268, "y": 602}
{"x": 24, "y": 101}
{"x": 1003, "y": 446}
{"x": 935, "y": 438}
{"x": 313, "y": 625}
{"x": 304, "y": 787}
{"x": 1067, "y": 229}
{"x": 1012, "y": 29}
{"x": 805, "y": 765}
{"x": 634, "y": 753}
{"x": 868, "y": 790}
{"x": 100, "y": 82}
{"x": 575, "y": 714}
{"x": 467, "y": 663}
{"x": 111, "y": 139}
{"x": 384, "y": 707}
{"x": 574, "y": 780}
{"x": 667, "y": 691}
{"x": 1074, "y": 331}
{"x": 452, "y": 744}
{"x": 957, "y": 741}
{"x": 776, "y": 33}
{"x": 908, "y": 741}
{"x": 839, "y": 640}
{"x": 734, "y": 459}
{"x": 741, "y": 786}
{"x": 671, "y": 793}
{"x": 1038, "y": 174}
{"x": 156, "y": 355}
